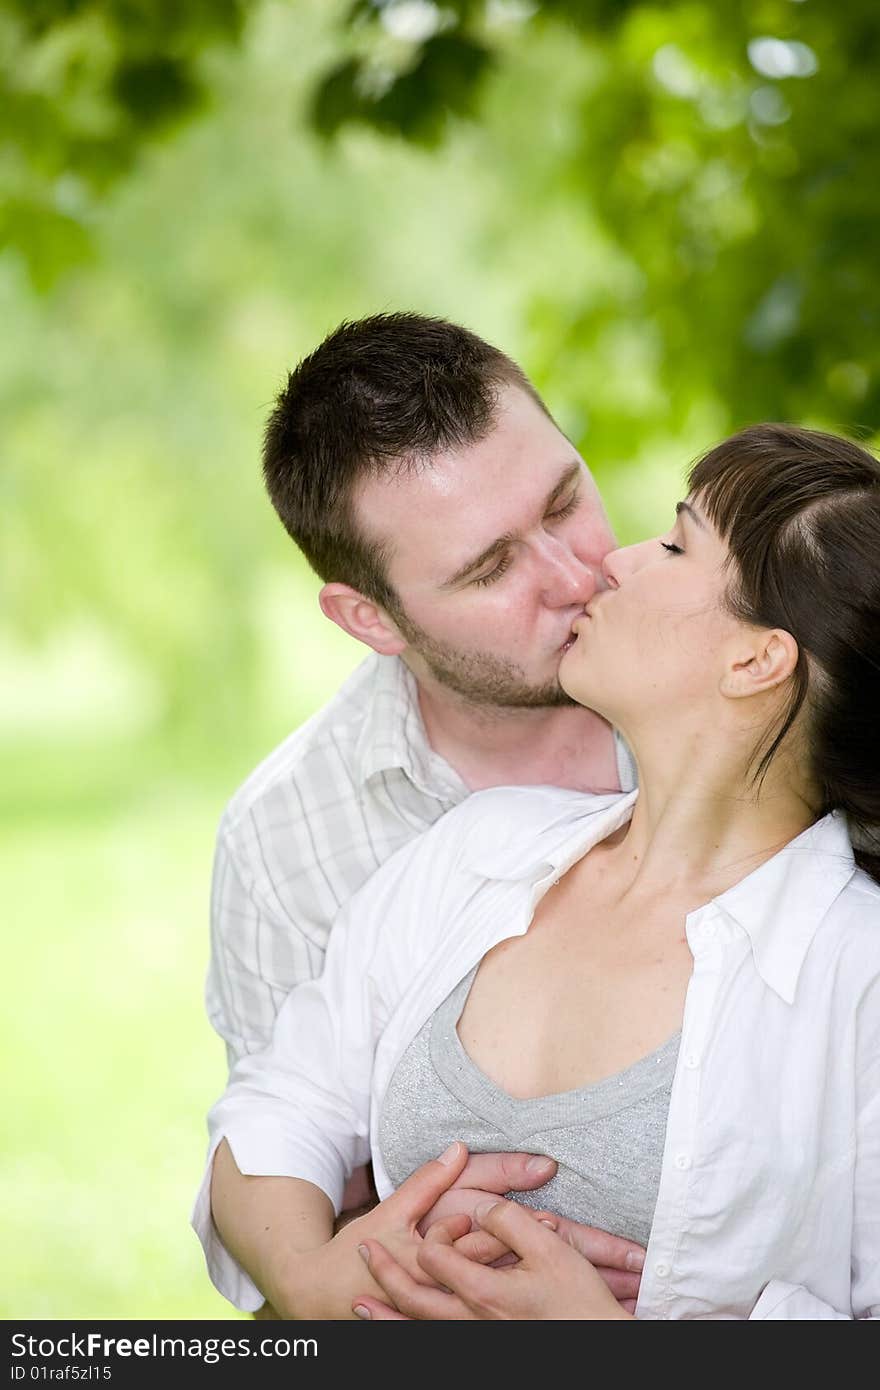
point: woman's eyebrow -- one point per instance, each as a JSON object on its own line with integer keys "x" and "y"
{"x": 694, "y": 516}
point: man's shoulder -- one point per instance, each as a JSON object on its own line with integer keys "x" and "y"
{"x": 330, "y": 736}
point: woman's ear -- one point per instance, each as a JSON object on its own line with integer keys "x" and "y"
{"x": 762, "y": 660}
{"x": 361, "y": 618}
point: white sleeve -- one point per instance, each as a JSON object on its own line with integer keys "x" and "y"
{"x": 780, "y": 1301}
{"x": 793, "y": 1303}
{"x": 301, "y": 1107}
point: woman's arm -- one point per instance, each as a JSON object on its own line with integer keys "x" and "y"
{"x": 787, "y": 1302}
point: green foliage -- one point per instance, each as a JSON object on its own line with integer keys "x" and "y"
{"x": 668, "y": 239}
{"x": 729, "y": 152}
{"x": 726, "y": 151}
{"x": 673, "y": 240}
{"x": 84, "y": 84}
{"x": 441, "y": 81}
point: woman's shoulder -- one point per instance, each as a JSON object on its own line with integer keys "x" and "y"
{"x": 850, "y": 932}
{"x": 499, "y": 831}
{"x": 504, "y": 830}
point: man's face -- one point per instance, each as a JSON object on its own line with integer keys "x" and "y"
{"x": 494, "y": 548}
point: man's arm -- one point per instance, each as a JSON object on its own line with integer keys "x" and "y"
{"x": 258, "y": 951}
{"x": 549, "y": 1279}
{"x": 281, "y": 1231}
{"x": 265, "y": 1223}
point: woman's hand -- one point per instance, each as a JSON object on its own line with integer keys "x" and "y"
{"x": 324, "y": 1282}
{"x": 550, "y": 1280}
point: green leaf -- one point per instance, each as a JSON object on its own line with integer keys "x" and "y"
{"x": 155, "y": 91}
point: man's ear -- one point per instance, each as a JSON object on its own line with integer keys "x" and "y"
{"x": 761, "y": 660}
{"x": 361, "y": 618}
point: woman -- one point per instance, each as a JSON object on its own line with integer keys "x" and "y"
{"x": 703, "y": 1053}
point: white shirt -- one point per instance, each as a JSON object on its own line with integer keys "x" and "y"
{"x": 307, "y": 829}
{"x": 769, "y": 1198}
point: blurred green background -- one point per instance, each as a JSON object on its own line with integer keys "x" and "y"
{"x": 666, "y": 213}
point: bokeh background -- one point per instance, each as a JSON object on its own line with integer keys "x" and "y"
{"x": 667, "y": 213}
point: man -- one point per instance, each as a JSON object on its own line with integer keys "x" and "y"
{"x": 458, "y": 534}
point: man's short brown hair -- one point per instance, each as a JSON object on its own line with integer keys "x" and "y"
{"x": 378, "y": 395}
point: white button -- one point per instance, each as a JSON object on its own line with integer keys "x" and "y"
{"x": 707, "y": 930}
{"x": 661, "y": 1270}
{"x": 682, "y": 1161}
{"x": 691, "y": 1061}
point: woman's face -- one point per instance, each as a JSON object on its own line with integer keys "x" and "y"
{"x": 658, "y": 635}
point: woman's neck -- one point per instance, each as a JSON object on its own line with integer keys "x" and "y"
{"x": 701, "y": 825}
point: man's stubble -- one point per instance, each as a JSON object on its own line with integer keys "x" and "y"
{"x": 477, "y": 677}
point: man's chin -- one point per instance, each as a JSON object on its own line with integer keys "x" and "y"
{"x": 489, "y": 682}
{"x": 518, "y": 697}
{"x": 554, "y": 697}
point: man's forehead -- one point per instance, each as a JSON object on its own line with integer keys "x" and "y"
{"x": 436, "y": 519}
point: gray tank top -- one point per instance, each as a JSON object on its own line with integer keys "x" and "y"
{"x": 607, "y": 1138}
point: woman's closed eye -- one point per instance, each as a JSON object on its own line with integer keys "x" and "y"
{"x": 672, "y": 548}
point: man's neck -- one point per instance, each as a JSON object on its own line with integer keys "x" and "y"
{"x": 491, "y": 746}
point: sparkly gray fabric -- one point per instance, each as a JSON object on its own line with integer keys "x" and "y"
{"x": 607, "y": 1138}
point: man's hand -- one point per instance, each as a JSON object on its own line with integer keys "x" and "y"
{"x": 551, "y": 1279}
{"x": 486, "y": 1176}
{"x": 322, "y": 1282}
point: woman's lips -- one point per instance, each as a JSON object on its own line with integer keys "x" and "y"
{"x": 573, "y": 636}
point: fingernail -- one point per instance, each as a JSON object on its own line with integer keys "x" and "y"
{"x": 449, "y": 1157}
{"x": 364, "y": 1254}
{"x": 545, "y": 1222}
{"x": 539, "y": 1165}
{"x": 482, "y": 1211}
{"x": 635, "y": 1259}
{"x": 361, "y": 1311}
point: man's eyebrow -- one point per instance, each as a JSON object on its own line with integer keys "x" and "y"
{"x": 497, "y": 547}
{"x": 568, "y": 477}
{"x": 694, "y": 516}
{"x": 500, "y": 544}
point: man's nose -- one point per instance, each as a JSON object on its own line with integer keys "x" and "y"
{"x": 569, "y": 579}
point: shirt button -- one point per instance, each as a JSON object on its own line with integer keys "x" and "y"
{"x": 682, "y": 1161}
{"x": 691, "y": 1061}
{"x": 707, "y": 930}
{"x": 661, "y": 1270}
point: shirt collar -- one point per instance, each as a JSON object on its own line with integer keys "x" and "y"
{"x": 569, "y": 823}
{"x": 393, "y": 735}
{"x": 781, "y": 905}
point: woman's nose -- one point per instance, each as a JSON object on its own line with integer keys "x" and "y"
{"x": 610, "y": 569}
{"x": 622, "y": 562}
